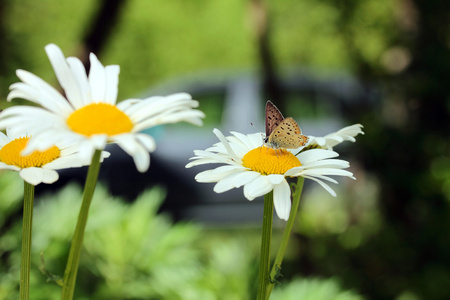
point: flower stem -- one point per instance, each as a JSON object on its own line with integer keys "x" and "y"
{"x": 70, "y": 274}
{"x": 264, "y": 264}
{"x": 287, "y": 232}
{"x": 25, "y": 264}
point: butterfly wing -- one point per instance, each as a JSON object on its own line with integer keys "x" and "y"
{"x": 273, "y": 117}
{"x": 287, "y": 135}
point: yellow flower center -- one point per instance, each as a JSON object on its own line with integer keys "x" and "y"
{"x": 10, "y": 154}
{"x": 99, "y": 118}
{"x": 270, "y": 161}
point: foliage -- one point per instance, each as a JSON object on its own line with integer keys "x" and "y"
{"x": 131, "y": 252}
{"x": 157, "y": 40}
{"x": 313, "y": 289}
{"x": 10, "y": 194}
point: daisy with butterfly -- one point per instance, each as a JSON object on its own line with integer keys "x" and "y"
{"x": 288, "y": 154}
{"x": 261, "y": 172}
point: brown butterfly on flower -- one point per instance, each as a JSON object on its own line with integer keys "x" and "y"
{"x": 282, "y": 132}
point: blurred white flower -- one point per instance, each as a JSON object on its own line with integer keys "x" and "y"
{"x": 88, "y": 114}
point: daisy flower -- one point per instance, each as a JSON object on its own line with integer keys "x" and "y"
{"x": 260, "y": 169}
{"x": 330, "y": 140}
{"x": 38, "y": 166}
{"x": 88, "y": 114}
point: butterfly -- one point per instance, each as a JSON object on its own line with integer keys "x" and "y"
{"x": 281, "y": 132}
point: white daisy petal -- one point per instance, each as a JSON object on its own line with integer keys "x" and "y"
{"x": 19, "y": 116}
{"x": 79, "y": 72}
{"x": 210, "y": 176}
{"x": 112, "y": 82}
{"x": 39, "y": 142}
{"x": 35, "y": 176}
{"x": 65, "y": 162}
{"x": 323, "y": 184}
{"x": 192, "y": 117}
{"x": 226, "y": 183}
{"x": 244, "y": 177}
{"x": 228, "y": 168}
{"x": 331, "y": 163}
{"x": 241, "y": 143}
{"x": 140, "y": 110}
{"x": 282, "y": 200}
{"x": 37, "y": 90}
{"x": 249, "y": 143}
{"x": 105, "y": 154}
{"x": 3, "y": 139}
{"x": 141, "y": 159}
{"x": 275, "y": 178}
{"x": 225, "y": 143}
{"x": 9, "y": 167}
{"x": 258, "y": 187}
{"x": 99, "y": 141}
{"x": 321, "y": 177}
{"x": 125, "y": 105}
{"x": 147, "y": 141}
{"x": 127, "y": 143}
{"x": 62, "y": 70}
{"x": 21, "y": 90}
{"x": 204, "y": 157}
{"x": 202, "y": 161}
{"x": 136, "y": 151}
{"x": 155, "y": 108}
{"x": 86, "y": 151}
{"x": 328, "y": 172}
{"x": 97, "y": 79}
{"x": 315, "y": 155}
{"x": 13, "y": 133}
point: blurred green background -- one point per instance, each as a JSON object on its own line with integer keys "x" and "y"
{"x": 384, "y": 237}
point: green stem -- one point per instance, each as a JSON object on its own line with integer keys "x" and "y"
{"x": 287, "y": 232}
{"x": 264, "y": 264}
{"x": 25, "y": 263}
{"x": 70, "y": 274}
